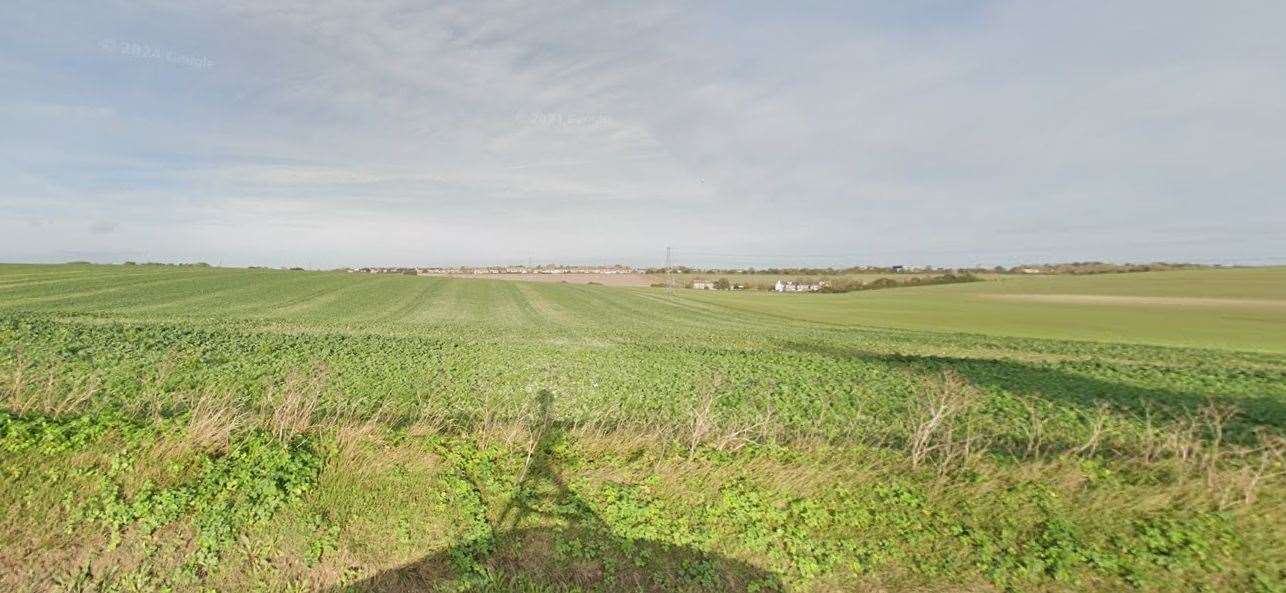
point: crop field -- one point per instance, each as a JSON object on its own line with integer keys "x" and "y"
{"x": 604, "y": 279}
{"x": 204, "y": 429}
{"x": 760, "y": 281}
{"x": 1231, "y": 309}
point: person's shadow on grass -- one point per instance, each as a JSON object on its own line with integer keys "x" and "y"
{"x": 581, "y": 553}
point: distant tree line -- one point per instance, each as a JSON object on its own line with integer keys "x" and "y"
{"x": 855, "y": 284}
{"x": 1096, "y": 267}
{"x": 844, "y": 283}
{"x": 796, "y": 271}
{"x": 199, "y": 264}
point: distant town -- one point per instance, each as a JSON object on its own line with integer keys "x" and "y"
{"x": 782, "y": 280}
{"x": 620, "y": 269}
{"x": 551, "y": 269}
{"x": 1089, "y": 267}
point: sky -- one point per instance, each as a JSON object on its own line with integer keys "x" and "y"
{"x": 321, "y": 133}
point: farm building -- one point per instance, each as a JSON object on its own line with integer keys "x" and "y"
{"x": 797, "y": 287}
{"x": 702, "y": 285}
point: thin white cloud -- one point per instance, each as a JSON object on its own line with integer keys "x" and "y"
{"x": 583, "y": 130}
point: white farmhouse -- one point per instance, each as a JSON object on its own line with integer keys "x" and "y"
{"x": 782, "y": 286}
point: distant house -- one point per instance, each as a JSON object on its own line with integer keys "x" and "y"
{"x": 782, "y": 286}
{"x": 702, "y": 285}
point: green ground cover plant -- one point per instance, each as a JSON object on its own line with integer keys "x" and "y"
{"x": 198, "y": 429}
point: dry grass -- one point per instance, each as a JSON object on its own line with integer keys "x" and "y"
{"x": 291, "y": 405}
{"x": 1098, "y": 422}
{"x": 707, "y": 429}
{"x": 703, "y": 416}
{"x": 32, "y": 391}
{"x": 427, "y": 419}
{"x": 214, "y": 421}
{"x": 1247, "y": 481}
{"x": 1034, "y": 429}
{"x": 938, "y": 423}
{"x": 939, "y": 427}
{"x": 1197, "y": 451}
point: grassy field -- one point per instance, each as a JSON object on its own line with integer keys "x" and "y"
{"x": 759, "y": 281}
{"x": 1235, "y": 309}
{"x": 198, "y": 429}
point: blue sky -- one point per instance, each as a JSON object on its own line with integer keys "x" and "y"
{"x": 741, "y": 133}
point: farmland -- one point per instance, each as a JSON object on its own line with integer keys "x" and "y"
{"x": 1236, "y": 309}
{"x": 757, "y": 281}
{"x": 765, "y": 280}
{"x": 196, "y": 429}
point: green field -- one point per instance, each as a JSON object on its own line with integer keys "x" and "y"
{"x": 198, "y": 429}
{"x": 1234, "y": 309}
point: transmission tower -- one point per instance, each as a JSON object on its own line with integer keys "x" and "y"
{"x": 669, "y": 281}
